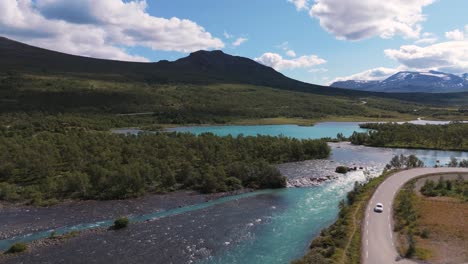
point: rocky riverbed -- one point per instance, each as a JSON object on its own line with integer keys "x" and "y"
{"x": 18, "y": 219}
{"x": 183, "y": 238}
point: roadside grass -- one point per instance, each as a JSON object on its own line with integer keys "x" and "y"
{"x": 406, "y": 214}
{"x": 341, "y": 242}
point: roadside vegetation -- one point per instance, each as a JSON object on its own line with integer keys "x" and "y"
{"x": 406, "y": 215}
{"x": 444, "y": 137}
{"x": 430, "y": 219}
{"x": 51, "y": 166}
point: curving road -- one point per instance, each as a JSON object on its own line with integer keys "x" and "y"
{"x": 378, "y": 246}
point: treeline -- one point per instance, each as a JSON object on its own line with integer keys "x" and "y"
{"x": 445, "y": 137}
{"x": 452, "y": 188}
{"x": 51, "y": 166}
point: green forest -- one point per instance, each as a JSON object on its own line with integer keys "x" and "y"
{"x": 51, "y": 166}
{"x": 453, "y": 136}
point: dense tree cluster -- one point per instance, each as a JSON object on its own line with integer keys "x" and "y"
{"x": 99, "y": 165}
{"x": 453, "y": 188}
{"x": 456, "y": 163}
{"x": 404, "y": 162}
{"x": 446, "y": 137}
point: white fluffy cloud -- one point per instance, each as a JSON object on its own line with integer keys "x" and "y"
{"x": 100, "y": 29}
{"x": 279, "y": 63}
{"x": 455, "y": 35}
{"x": 376, "y": 74}
{"x": 450, "y": 56}
{"x": 300, "y": 4}
{"x": 291, "y": 53}
{"x": 360, "y": 19}
{"x": 239, "y": 41}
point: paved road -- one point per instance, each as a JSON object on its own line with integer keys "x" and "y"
{"x": 378, "y": 246}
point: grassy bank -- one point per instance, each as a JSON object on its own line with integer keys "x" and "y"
{"x": 341, "y": 242}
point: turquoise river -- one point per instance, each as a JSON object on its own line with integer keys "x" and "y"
{"x": 287, "y": 233}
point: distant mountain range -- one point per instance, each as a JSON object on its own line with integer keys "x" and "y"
{"x": 411, "y": 82}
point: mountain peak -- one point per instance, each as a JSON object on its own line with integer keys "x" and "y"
{"x": 207, "y": 53}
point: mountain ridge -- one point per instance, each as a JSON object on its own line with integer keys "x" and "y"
{"x": 200, "y": 67}
{"x": 411, "y": 81}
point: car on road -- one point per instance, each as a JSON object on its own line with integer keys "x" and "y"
{"x": 378, "y": 208}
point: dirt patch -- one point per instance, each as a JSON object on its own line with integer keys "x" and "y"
{"x": 446, "y": 221}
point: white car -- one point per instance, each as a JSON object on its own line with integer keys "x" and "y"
{"x": 378, "y": 208}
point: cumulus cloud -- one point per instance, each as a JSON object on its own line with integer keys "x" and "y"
{"x": 102, "y": 29}
{"x": 291, "y": 53}
{"x": 361, "y": 19}
{"x": 376, "y": 74}
{"x": 279, "y": 63}
{"x": 300, "y": 4}
{"x": 239, "y": 41}
{"x": 450, "y": 56}
{"x": 455, "y": 35}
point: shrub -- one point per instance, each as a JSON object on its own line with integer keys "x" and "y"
{"x": 16, "y": 248}
{"x": 425, "y": 234}
{"x": 120, "y": 223}
{"x": 341, "y": 169}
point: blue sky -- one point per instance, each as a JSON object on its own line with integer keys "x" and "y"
{"x": 360, "y": 39}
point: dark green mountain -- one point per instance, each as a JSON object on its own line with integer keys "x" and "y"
{"x": 201, "y": 67}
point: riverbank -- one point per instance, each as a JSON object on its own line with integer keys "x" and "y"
{"x": 341, "y": 242}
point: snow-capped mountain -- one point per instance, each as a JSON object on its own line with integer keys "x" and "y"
{"x": 406, "y": 81}
{"x": 465, "y": 76}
